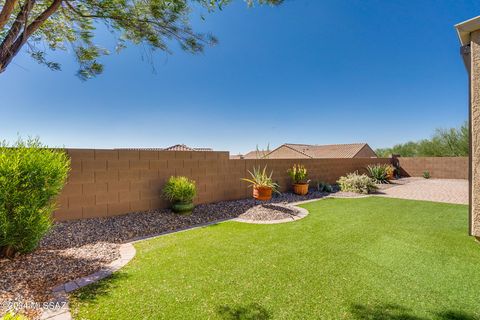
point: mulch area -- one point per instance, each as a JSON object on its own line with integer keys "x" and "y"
{"x": 78, "y": 248}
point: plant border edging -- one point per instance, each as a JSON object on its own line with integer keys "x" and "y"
{"x": 127, "y": 252}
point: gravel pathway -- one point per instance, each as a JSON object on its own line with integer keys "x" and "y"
{"x": 78, "y": 248}
{"x": 439, "y": 190}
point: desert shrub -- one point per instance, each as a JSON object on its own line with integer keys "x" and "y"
{"x": 298, "y": 173}
{"x": 180, "y": 189}
{"x": 378, "y": 172}
{"x": 359, "y": 183}
{"x": 31, "y": 176}
{"x": 324, "y": 187}
{"x": 426, "y": 174}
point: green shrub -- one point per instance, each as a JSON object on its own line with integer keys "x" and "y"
{"x": 426, "y": 174}
{"x": 31, "y": 176}
{"x": 359, "y": 183}
{"x": 324, "y": 187}
{"x": 298, "y": 173}
{"x": 379, "y": 172}
{"x": 180, "y": 189}
{"x": 13, "y": 316}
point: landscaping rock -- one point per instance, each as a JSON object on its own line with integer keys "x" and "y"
{"x": 270, "y": 212}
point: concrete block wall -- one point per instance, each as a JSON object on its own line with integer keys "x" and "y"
{"x": 105, "y": 183}
{"x": 439, "y": 167}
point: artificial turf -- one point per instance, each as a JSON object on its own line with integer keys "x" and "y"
{"x": 369, "y": 258}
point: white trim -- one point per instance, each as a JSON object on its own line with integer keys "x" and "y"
{"x": 465, "y": 28}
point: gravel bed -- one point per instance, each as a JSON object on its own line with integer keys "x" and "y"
{"x": 270, "y": 212}
{"x": 122, "y": 228}
{"x": 78, "y": 248}
{"x": 30, "y": 277}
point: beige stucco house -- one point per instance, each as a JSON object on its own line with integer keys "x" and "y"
{"x": 469, "y": 35}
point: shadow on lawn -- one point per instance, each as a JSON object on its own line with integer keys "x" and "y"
{"x": 100, "y": 288}
{"x": 397, "y": 312}
{"x": 252, "y": 311}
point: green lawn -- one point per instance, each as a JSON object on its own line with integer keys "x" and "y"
{"x": 369, "y": 258}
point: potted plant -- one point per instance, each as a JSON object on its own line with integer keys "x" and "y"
{"x": 180, "y": 191}
{"x": 262, "y": 184}
{"x": 390, "y": 171}
{"x": 299, "y": 176}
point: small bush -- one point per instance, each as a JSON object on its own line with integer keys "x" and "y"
{"x": 298, "y": 173}
{"x": 13, "y": 316}
{"x": 180, "y": 189}
{"x": 324, "y": 187}
{"x": 426, "y": 174}
{"x": 31, "y": 176}
{"x": 359, "y": 183}
{"x": 378, "y": 172}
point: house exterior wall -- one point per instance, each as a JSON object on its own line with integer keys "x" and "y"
{"x": 285, "y": 152}
{"x": 105, "y": 183}
{"x": 475, "y": 133}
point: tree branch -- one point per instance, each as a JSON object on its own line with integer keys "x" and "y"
{"x": 43, "y": 17}
{"x": 7, "y": 11}
{"x": 8, "y": 49}
{"x": 155, "y": 23}
{"x": 15, "y": 30}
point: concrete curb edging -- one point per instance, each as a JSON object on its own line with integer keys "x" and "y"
{"x": 127, "y": 252}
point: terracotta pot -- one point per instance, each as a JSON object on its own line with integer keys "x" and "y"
{"x": 262, "y": 193}
{"x": 300, "y": 188}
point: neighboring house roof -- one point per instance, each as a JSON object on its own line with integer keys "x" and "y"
{"x": 326, "y": 151}
{"x": 257, "y": 154}
{"x": 236, "y": 156}
{"x": 177, "y": 147}
{"x": 182, "y": 147}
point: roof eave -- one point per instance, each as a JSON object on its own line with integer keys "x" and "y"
{"x": 464, "y": 29}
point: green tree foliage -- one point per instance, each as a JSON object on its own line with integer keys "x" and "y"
{"x": 71, "y": 25}
{"x": 31, "y": 176}
{"x": 451, "y": 142}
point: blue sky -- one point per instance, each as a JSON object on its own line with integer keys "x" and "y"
{"x": 309, "y": 71}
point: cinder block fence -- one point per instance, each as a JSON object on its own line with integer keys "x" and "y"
{"x": 113, "y": 182}
{"x": 438, "y": 167}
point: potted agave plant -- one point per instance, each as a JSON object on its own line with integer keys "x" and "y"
{"x": 180, "y": 191}
{"x": 299, "y": 176}
{"x": 262, "y": 184}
